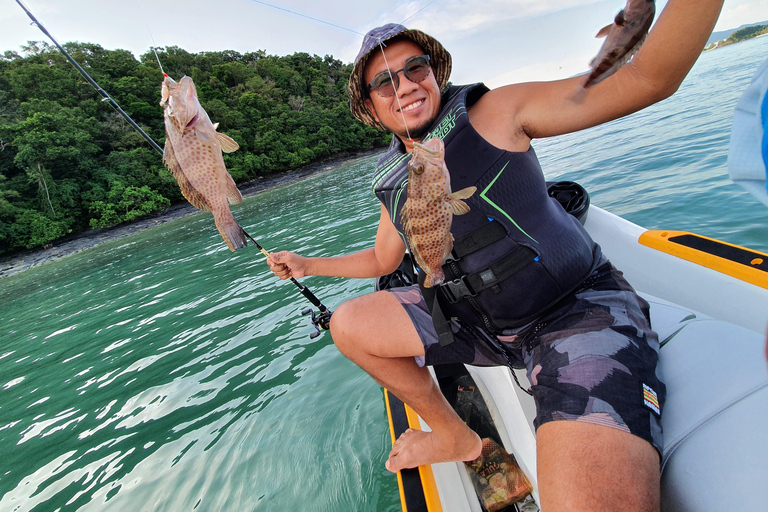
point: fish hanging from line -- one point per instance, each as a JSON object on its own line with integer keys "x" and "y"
{"x": 622, "y": 39}
{"x": 428, "y": 211}
{"x": 192, "y": 153}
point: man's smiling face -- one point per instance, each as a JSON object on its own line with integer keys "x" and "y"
{"x": 420, "y": 101}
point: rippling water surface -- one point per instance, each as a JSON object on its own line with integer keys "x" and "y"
{"x": 162, "y": 372}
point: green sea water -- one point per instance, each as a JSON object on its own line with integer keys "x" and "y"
{"x": 162, "y": 372}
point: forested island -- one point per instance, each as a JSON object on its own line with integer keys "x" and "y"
{"x": 69, "y": 162}
{"x": 739, "y": 35}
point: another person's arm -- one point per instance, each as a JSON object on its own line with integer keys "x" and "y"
{"x": 515, "y": 114}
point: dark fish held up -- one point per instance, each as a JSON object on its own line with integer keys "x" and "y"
{"x": 622, "y": 39}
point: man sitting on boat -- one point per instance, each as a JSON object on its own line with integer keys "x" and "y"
{"x": 528, "y": 285}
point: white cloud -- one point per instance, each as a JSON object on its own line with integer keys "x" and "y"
{"x": 741, "y": 12}
{"x": 452, "y": 19}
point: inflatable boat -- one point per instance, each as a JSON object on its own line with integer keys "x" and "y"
{"x": 709, "y": 306}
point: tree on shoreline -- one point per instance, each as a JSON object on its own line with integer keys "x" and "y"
{"x": 284, "y": 112}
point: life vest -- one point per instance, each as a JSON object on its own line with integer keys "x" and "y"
{"x": 517, "y": 252}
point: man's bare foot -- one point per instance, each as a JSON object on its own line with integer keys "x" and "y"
{"x": 417, "y": 448}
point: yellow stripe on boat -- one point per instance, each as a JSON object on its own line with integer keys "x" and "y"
{"x": 429, "y": 487}
{"x": 403, "y": 504}
{"x": 431, "y": 495}
{"x": 745, "y": 264}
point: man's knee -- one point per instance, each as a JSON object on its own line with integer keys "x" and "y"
{"x": 374, "y": 325}
{"x": 347, "y": 323}
{"x": 340, "y": 325}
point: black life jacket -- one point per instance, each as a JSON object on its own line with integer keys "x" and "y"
{"x": 517, "y": 252}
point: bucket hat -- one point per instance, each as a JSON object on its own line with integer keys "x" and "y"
{"x": 439, "y": 60}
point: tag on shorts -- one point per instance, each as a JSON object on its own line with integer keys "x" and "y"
{"x": 651, "y": 399}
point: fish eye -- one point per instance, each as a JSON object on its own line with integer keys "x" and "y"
{"x": 416, "y": 168}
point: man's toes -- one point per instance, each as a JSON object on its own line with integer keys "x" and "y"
{"x": 392, "y": 464}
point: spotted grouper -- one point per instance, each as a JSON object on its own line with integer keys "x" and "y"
{"x": 622, "y": 39}
{"x": 428, "y": 212}
{"x": 192, "y": 153}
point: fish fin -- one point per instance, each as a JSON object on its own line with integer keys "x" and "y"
{"x": 464, "y": 193}
{"x": 190, "y": 193}
{"x": 603, "y": 32}
{"x": 404, "y": 217}
{"x": 205, "y": 136}
{"x": 228, "y": 145}
{"x": 233, "y": 194}
{"x": 230, "y": 231}
{"x": 458, "y": 206}
{"x": 169, "y": 157}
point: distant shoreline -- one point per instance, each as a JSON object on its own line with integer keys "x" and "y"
{"x": 717, "y": 44}
{"x": 74, "y": 244}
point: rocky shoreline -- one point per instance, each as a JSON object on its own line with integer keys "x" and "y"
{"x": 76, "y": 243}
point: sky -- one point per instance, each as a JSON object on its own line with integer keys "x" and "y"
{"x": 495, "y": 41}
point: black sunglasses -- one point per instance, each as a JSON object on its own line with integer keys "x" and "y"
{"x": 416, "y": 69}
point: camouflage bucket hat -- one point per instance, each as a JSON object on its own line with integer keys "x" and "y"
{"x": 439, "y": 59}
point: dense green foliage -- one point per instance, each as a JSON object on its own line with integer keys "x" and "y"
{"x": 747, "y": 33}
{"x": 69, "y": 162}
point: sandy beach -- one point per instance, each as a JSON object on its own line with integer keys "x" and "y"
{"x": 73, "y": 244}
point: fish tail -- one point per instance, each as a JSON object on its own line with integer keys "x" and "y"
{"x": 230, "y": 231}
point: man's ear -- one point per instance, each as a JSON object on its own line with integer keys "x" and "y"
{"x": 371, "y": 109}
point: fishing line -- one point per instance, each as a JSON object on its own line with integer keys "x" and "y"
{"x": 417, "y": 12}
{"x": 397, "y": 98}
{"x": 308, "y": 17}
{"x": 154, "y": 44}
{"x": 381, "y": 45}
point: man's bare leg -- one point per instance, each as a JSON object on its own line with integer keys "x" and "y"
{"x": 588, "y": 467}
{"x": 376, "y": 333}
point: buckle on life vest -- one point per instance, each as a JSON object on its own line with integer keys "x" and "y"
{"x": 457, "y": 290}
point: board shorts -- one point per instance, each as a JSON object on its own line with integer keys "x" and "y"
{"x": 593, "y": 357}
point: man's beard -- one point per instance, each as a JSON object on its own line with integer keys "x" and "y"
{"x": 415, "y": 132}
{"x": 420, "y": 131}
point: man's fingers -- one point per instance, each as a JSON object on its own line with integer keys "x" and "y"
{"x": 285, "y": 264}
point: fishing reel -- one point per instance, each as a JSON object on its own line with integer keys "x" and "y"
{"x": 321, "y": 320}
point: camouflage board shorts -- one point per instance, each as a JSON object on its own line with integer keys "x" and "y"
{"x": 592, "y": 358}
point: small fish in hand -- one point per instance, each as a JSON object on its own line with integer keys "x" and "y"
{"x": 622, "y": 39}
{"x": 428, "y": 212}
{"x": 192, "y": 153}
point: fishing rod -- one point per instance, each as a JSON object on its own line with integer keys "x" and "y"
{"x": 320, "y": 320}
{"x": 102, "y": 92}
